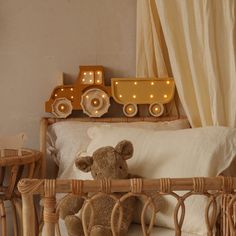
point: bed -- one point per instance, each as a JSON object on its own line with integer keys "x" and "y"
{"x": 180, "y": 156}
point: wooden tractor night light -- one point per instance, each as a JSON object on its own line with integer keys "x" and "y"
{"x": 90, "y": 94}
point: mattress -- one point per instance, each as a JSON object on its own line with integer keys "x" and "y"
{"x": 135, "y": 230}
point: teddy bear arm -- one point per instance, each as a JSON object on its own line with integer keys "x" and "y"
{"x": 71, "y": 205}
{"x": 74, "y": 226}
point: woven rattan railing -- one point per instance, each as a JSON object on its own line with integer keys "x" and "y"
{"x": 222, "y": 188}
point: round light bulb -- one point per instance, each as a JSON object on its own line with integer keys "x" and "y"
{"x": 103, "y": 95}
{"x": 134, "y": 96}
{"x": 90, "y": 81}
{"x": 151, "y": 96}
{"x": 135, "y": 83}
{"x": 152, "y": 83}
{"x": 98, "y": 81}
{"x": 72, "y": 97}
{"x": 130, "y": 109}
{"x": 116, "y": 83}
{"x": 85, "y": 73}
{"x": 167, "y": 82}
{"x": 62, "y": 107}
{"x": 71, "y": 89}
{"x": 87, "y": 96}
{"x": 120, "y": 96}
{"x": 165, "y": 96}
{"x": 55, "y": 95}
{"x": 96, "y": 112}
{"x": 90, "y": 73}
{"x": 156, "y": 109}
{"x": 62, "y": 89}
{"x": 99, "y": 72}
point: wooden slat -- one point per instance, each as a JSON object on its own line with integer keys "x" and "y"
{"x": 28, "y": 215}
{"x": 3, "y": 219}
{"x": 51, "y": 120}
{"x": 12, "y": 181}
{"x": 177, "y": 184}
{"x": 2, "y": 174}
{"x": 42, "y": 148}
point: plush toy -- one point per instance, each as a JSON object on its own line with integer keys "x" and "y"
{"x": 106, "y": 162}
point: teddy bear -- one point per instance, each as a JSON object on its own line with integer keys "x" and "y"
{"x": 106, "y": 162}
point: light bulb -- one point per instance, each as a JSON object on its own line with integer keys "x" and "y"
{"x": 156, "y": 109}
{"x": 83, "y": 80}
{"x": 103, "y": 95}
{"x": 85, "y": 73}
{"x": 165, "y": 96}
{"x": 134, "y": 96}
{"x": 96, "y": 112}
{"x": 90, "y": 81}
{"x": 116, "y": 83}
{"x": 62, "y": 107}
{"x": 98, "y": 81}
{"x": 90, "y": 73}
{"x": 87, "y": 96}
{"x": 130, "y": 109}
{"x": 151, "y": 96}
{"x": 99, "y": 72}
{"x": 152, "y": 83}
{"x": 72, "y": 97}
{"x": 55, "y": 95}
{"x": 135, "y": 83}
{"x": 120, "y": 96}
{"x": 71, "y": 89}
{"x": 62, "y": 89}
{"x": 167, "y": 82}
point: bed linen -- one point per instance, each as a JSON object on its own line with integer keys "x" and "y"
{"x": 174, "y": 154}
{"x": 66, "y": 139}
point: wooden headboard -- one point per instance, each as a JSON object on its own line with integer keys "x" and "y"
{"x": 47, "y": 121}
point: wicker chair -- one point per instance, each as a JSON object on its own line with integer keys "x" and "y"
{"x": 15, "y": 164}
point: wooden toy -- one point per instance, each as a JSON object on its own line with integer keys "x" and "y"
{"x": 133, "y": 91}
{"x": 90, "y": 94}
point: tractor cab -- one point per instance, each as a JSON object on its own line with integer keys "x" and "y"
{"x": 91, "y": 75}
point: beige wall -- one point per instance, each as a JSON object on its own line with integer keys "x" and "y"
{"x": 40, "y": 39}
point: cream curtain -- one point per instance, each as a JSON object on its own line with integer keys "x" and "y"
{"x": 152, "y": 55}
{"x": 200, "y": 38}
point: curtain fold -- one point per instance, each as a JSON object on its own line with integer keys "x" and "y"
{"x": 200, "y": 38}
{"x": 152, "y": 55}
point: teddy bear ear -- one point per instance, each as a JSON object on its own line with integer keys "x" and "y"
{"x": 84, "y": 163}
{"x": 125, "y": 149}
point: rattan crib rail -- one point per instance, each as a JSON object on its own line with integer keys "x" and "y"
{"x": 222, "y": 188}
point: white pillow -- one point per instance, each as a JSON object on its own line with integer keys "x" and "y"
{"x": 67, "y": 139}
{"x": 183, "y": 153}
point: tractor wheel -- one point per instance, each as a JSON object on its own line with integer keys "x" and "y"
{"x": 130, "y": 109}
{"x": 61, "y": 107}
{"x": 95, "y": 102}
{"x": 156, "y": 109}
